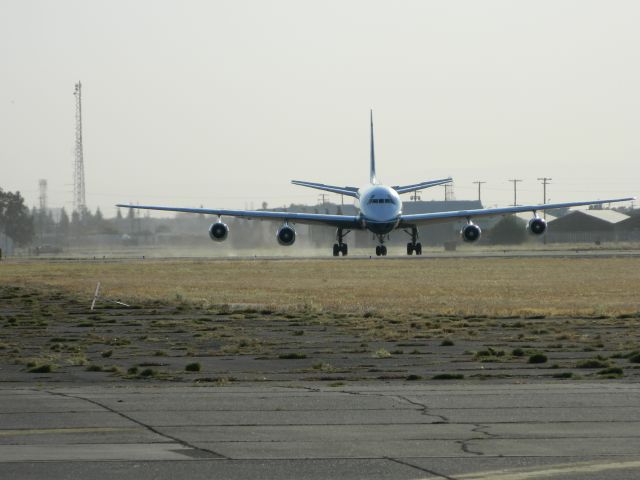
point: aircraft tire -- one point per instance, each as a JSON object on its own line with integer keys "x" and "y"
{"x": 344, "y": 249}
{"x": 410, "y": 249}
{"x": 378, "y": 250}
{"x": 383, "y": 250}
{"x": 336, "y": 250}
{"x": 418, "y": 249}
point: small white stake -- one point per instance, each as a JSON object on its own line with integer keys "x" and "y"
{"x": 95, "y": 296}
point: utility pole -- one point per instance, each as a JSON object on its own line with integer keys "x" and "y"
{"x": 323, "y": 196}
{"x": 545, "y": 182}
{"x": 515, "y": 190}
{"x": 479, "y": 185}
{"x": 415, "y": 196}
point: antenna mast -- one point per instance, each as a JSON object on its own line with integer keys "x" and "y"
{"x": 79, "y": 202}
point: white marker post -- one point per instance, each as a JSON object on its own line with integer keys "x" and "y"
{"x": 95, "y": 296}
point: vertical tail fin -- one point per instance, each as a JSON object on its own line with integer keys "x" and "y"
{"x": 372, "y": 172}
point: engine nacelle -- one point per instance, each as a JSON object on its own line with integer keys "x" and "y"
{"x": 537, "y": 226}
{"x": 470, "y": 232}
{"x": 218, "y": 232}
{"x": 286, "y": 236}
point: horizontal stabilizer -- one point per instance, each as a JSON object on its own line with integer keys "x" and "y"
{"x": 350, "y": 191}
{"x": 422, "y": 185}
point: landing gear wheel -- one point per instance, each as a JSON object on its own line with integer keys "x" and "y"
{"x": 336, "y": 249}
{"x": 344, "y": 249}
{"x": 410, "y": 249}
{"x": 383, "y": 250}
{"x": 418, "y": 248}
{"x": 378, "y": 250}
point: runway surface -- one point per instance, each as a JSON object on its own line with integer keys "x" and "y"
{"x": 400, "y": 430}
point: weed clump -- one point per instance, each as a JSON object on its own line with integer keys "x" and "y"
{"x": 41, "y": 369}
{"x": 382, "y": 353}
{"x": 147, "y": 372}
{"x": 447, "y": 343}
{"x": 448, "y": 376}
{"x": 563, "y": 375}
{"x": 94, "y": 368}
{"x": 106, "y": 353}
{"x": 592, "y": 363}
{"x": 414, "y": 377}
{"x": 538, "y": 358}
{"x": 612, "y": 372}
{"x": 292, "y": 356}
{"x": 517, "y": 352}
{"x": 193, "y": 367}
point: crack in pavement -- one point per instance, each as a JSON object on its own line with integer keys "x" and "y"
{"x": 425, "y": 409}
{"x": 138, "y": 422}
{"x": 464, "y": 446}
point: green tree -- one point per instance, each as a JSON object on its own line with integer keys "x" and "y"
{"x": 63, "y": 223}
{"x": 15, "y": 220}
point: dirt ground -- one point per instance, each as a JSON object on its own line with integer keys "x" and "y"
{"x": 52, "y": 335}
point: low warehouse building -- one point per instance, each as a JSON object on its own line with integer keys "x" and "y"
{"x": 586, "y": 226}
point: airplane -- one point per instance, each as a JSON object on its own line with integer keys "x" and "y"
{"x": 380, "y": 212}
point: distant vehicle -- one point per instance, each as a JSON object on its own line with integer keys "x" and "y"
{"x": 380, "y": 212}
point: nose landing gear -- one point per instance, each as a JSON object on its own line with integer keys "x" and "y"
{"x": 414, "y": 245}
{"x": 381, "y": 250}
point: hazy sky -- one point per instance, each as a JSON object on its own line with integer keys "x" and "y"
{"x": 222, "y": 103}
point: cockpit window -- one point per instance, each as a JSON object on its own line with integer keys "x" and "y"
{"x": 382, "y": 200}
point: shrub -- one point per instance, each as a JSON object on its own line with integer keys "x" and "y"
{"x": 447, "y": 343}
{"x": 611, "y": 371}
{"x": 193, "y": 367}
{"x": 94, "y": 368}
{"x": 292, "y": 356}
{"x": 593, "y": 363}
{"x": 41, "y": 369}
{"x": 563, "y": 375}
{"x": 517, "y": 352}
{"x": 413, "y": 377}
{"x": 448, "y": 376}
{"x": 538, "y": 358}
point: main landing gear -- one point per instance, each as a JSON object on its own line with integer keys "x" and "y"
{"x": 414, "y": 245}
{"x": 340, "y": 247}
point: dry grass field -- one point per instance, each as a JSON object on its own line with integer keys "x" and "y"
{"x": 494, "y": 287}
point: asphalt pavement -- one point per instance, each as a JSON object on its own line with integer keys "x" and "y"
{"x": 399, "y": 430}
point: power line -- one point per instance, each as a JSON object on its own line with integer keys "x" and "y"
{"x": 515, "y": 190}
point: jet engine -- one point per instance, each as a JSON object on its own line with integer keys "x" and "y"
{"x": 470, "y": 232}
{"x": 286, "y": 235}
{"x": 537, "y": 226}
{"x": 218, "y": 231}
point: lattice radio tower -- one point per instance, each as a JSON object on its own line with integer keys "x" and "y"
{"x": 79, "y": 202}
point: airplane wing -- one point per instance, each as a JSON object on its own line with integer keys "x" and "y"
{"x": 350, "y": 191}
{"x": 420, "y": 186}
{"x": 344, "y": 221}
{"x": 426, "y": 218}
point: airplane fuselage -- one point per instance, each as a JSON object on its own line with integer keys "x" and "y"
{"x": 380, "y": 208}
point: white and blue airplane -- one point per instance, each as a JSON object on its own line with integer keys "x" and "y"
{"x": 380, "y": 212}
